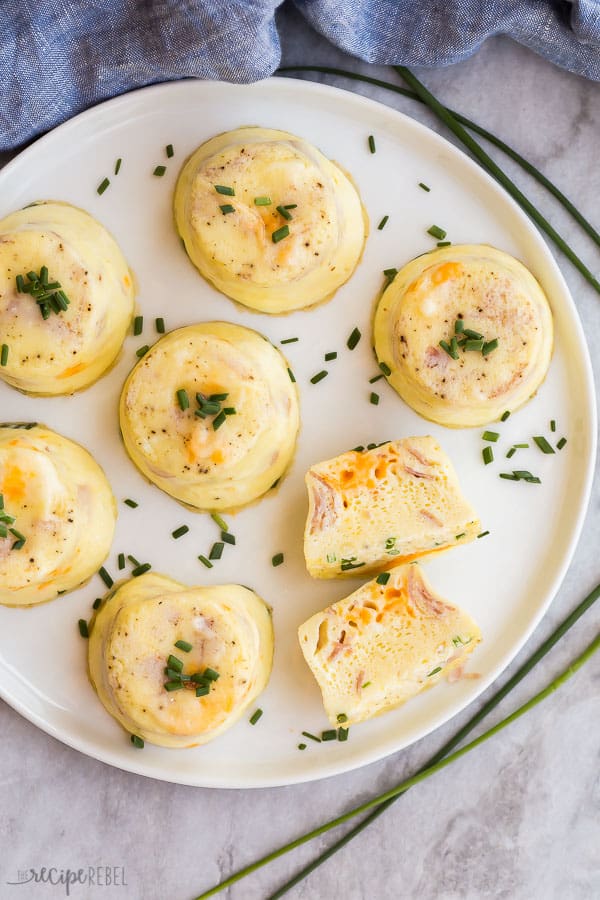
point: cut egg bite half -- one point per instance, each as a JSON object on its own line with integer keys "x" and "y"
{"x": 57, "y": 515}
{"x": 210, "y": 415}
{"x": 177, "y": 666}
{"x": 269, "y": 220}
{"x": 66, "y": 298}
{"x": 464, "y": 333}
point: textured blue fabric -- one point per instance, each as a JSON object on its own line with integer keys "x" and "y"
{"x": 58, "y": 57}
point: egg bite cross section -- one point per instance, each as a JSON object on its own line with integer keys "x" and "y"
{"x": 177, "y": 666}
{"x": 370, "y": 510}
{"x": 210, "y": 415}
{"x": 385, "y": 643}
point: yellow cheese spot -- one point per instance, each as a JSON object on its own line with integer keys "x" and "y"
{"x": 13, "y": 484}
{"x": 72, "y": 370}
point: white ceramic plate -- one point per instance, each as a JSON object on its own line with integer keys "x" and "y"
{"x": 506, "y": 580}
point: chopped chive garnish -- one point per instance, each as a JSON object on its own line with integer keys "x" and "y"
{"x": 4, "y": 355}
{"x": 543, "y": 444}
{"x": 262, "y": 201}
{"x": 483, "y": 534}
{"x": 173, "y": 662}
{"x": 221, "y": 523}
{"x": 444, "y": 244}
{"x": 490, "y": 436}
{"x": 132, "y": 503}
{"x": 469, "y": 333}
{"x": 457, "y": 537}
{"x": 375, "y": 378}
{"x": 354, "y": 338}
{"x": 521, "y": 446}
{"x": 488, "y": 455}
{"x": 474, "y": 344}
{"x": 183, "y": 645}
{"x": 133, "y": 560}
{"x": 174, "y": 685}
{"x": 374, "y": 398}
{"x": 255, "y": 716}
{"x": 319, "y": 376}
{"x": 118, "y": 166}
{"x": 552, "y": 424}
{"x": 459, "y": 326}
{"x": 141, "y": 570}
{"x": 102, "y": 186}
{"x": 216, "y": 551}
{"x": 83, "y": 628}
{"x": 289, "y": 340}
{"x": 330, "y": 356}
{"x": 489, "y": 346}
{"x": 301, "y": 746}
{"x": 437, "y": 232}
{"x": 291, "y": 374}
{"x": 223, "y": 189}
{"x": 211, "y": 674}
{"x": 372, "y": 147}
{"x": 342, "y": 734}
{"x": 329, "y": 735}
{"x": 383, "y": 223}
{"x": 342, "y": 717}
{"x": 227, "y": 208}
{"x": 277, "y": 559}
{"x": 505, "y": 415}
{"x": 219, "y": 420}
{"x": 434, "y": 671}
{"x": 450, "y": 348}
{"x": 280, "y": 234}
{"x": 290, "y": 206}
{"x": 311, "y": 737}
{"x": 96, "y": 603}
{"x": 179, "y": 532}
{"x": 160, "y": 325}
{"x": 169, "y": 151}
{"x": 218, "y": 397}
{"x": 205, "y": 562}
{"x": 511, "y": 452}
{"x": 383, "y": 578}
{"x": 385, "y": 368}
{"x": 121, "y": 561}
{"x": 561, "y": 443}
{"x": 138, "y": 325}
{"x": 105, "y": 577}
{"x": 183, "y": 399}
{"x": 142, "y": 351}
{"x": 508, "y": 476}
{"x": 137, "y": 741}
{"x": 390, "y": 274}
{"x": 227, "y": 538}
{"x": 159, "y": 171}
{"x": 202, "y": 690}
{"x": 283, "y": 212}
{"x": 424, "y": 187}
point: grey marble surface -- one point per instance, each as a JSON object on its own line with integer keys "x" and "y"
{"x": 520, "y": 817}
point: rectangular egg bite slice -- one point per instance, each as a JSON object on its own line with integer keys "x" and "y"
{"x": 384, "y": 644}
{"x": 370, "y": 510}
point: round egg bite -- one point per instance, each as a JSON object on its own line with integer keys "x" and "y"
{"x": 210, "y": 415}
{"x": 269, "y": 220}
{"x": 177, "y": 666}
{"x": 66, "y": 298}
{"x": 463, "y": 334}
{"x": 57, "y": 515}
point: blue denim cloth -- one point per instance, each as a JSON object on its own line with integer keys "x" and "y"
{"x": 58, "y": 57}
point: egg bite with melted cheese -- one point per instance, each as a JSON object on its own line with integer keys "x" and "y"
{"x": 57, "y": 515}
{"x": 465, "y": 333}
{"x": 384, "y": 644}
{"x": 222, "y": 664}
{"x": 269, "y": 220}
{"x": 54, "y": 350}
{"x": 210, "y": 415}
{"x": 370, "y": 510}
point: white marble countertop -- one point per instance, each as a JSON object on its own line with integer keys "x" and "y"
{"x": 518, "y": 818}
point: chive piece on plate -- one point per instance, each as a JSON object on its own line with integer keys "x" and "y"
{"x": 159, "y": 171}
{"x": 330, "y": 356}
{"x": 216, "y": 551}
{"x": 173, "y": 685}
{"x": 227, "y": 208}
{"x": 561, "y": 443}
{"x": 543, "y": 444}
{"x": 280, "y": 234}
{"x": 183, "y": 645}
{"x": 262, "y": 201}
{"x": 105, "y": 577}
{"x": 183, "y": 399}
{"x": 83, "y": 628}
{"x": 140, "y": 570}
{"x": 227, "y": 538}
{"x": 511, "y": 452}
{"x": 255, "y": 716}
{"x": 142, "y": 351}
{"x": 354, "y": 338}
{"x": 424, "y": 187}
{"x": 118, "y": 165}
{"x": 383, "y": 578}
{"x": 385, "y": 368}
{"x": 160, "y": 325}
{"x": 489, "y": 347}
{"x": 474, "y": 344}
{"x": 342, "y": 734}
{"x": 102, "y": 186}
{"x": 329, "y": 735}
{"x": 505, "y": 415}
{"x": 137, "y": 741}
{"x": 121, "y": 561}
{"x": 552, "y": 424}
{"x": 277, "y": 559}
{"x": 383, "y": 223}
{"x": 224, "y": 189}
{"x": 341, "y": 718}
{"x": 283, "y": 212}
{"x": 179, "y": 532}
{"x": 96, "y": 603}
{"x": 483, "y": 534}
{"x": 4, "y": 355}
{"x": 221, "y": 523}
{"x": 131, "y": 503}
{"x": 437, "y": 232}
{"x": 490, "y": 436}
{"x": 289, "y": 340}
{"x": 291, "y": 374}
{"x": 133, "y": 560}
{"x": 169, "y": 151}
{"x": 319, "y": 376}
{"x": 138, "y": 325}
{"x": 374, "y": 398}
{"x": 372, "y": 147}
{"x": 312, "y": 737}
{"x": 205, "y": 562}
{"x": 218, "y": 420}
{"x": 301, "y": 746}
{"x": 488, "y": 455}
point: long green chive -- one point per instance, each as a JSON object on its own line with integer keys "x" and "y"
{"x": 227, "y": 208}
{"x": 371, "y": 142}
{"x": 505, "y": 415}
{"x": 138, "y": 325}
{"x": 141, "y": 570}
{"x": 205, "y": 562}
{"x": 219, "y": 420}
{"x": 4, "y": 355}
{"x": 133, "y": 560}
{"x": 255, "y": 716}
{"x": 121, "y": 561}
{"x": 375, "y": 378}
{"x": 118, "y": 165}
{"x": 220, "y": 522}
{"x": 216, "y": 551}
{"x": 489, "y": 346}
{"x": 383, "y": 223}
{"x": 437, "y": 232}
{"x": 277, "y": 559}
{"x": 354, "y": 338}
{"x": 510, "y": 453}
{"x": 283, "y": 212}
{"x": 508, "y": 476}
{"x": 183, "y": 645}
{"x": 227, "y": 538}
{"x": 543, "y": 444}
{"x": 374, "y": 398}
{"x": 102, "y": 186}
{"x": 280, "y": 234}
{"x": 142, "y": 351}
{"x": 83, "y": 628}
{"x": 179, "y": 532}
{"x": 483, "y": 534}
{"x": 424, "y": 187}
{"x": 319, "y": 376}
{"x": 490, "y": 436}
{"x": 561, "y": 443}
{"x": 159, "y": 324}
{"x": 289, "y": 340}
{"x": 329, "y": 735}
{"x": 105, "y": 577}
{"x": 383, "y": 578}
{"x": 331, "y": 355}
{"x": 521, "y": 446}
{"x": 131, "y": 503}
{"x": 223, "y": 189}
{"x": 262, "y": 201}
{"x": 434, "y": 671}
{"x": 169, "y": 151}
{"x": 488, "y": 455}
{"x": 159, "y": 171}
{"x": 137, "y": 741}
{"x": 342, "y": 734}
{"x": 311, "y": 737}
